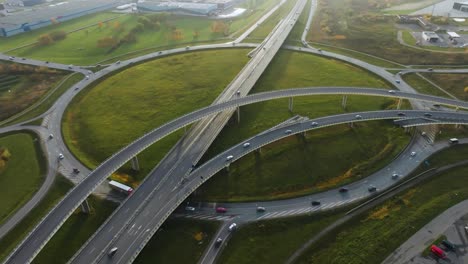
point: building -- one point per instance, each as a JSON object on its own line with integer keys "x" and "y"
{"x": 197, "y": 9}
{"x": 461, "y": 6}
{"x": 430, "y": 36}
{"x": 45, "y": 15}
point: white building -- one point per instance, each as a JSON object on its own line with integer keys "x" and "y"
{"x": 430, "y": 36}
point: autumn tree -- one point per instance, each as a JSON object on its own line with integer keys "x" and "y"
{"x": 58, "y": 35}
{"x": 107, "y": 42}
{"x": 44, "y": 40}
{"x": 177, "y": 34}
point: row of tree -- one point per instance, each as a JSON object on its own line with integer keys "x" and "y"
{"x": 47, "y": 39}
{"x": 15, "y": 68}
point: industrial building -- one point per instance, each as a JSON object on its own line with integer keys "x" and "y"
{"x": 200, "y": 9}
{"x": 430, "y": 36}
{"x": 44, "y": 15}
{"x": 461, "y": 6}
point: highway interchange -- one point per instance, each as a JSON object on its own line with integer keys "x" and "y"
{"x": 118, "y": 159}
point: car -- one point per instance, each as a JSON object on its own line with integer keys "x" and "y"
{"x": 423, "y": 133}
{"x": 264, "y": 48}
{"x": 118, "y": 62}
{"x": 430, "y": 69}
{"x": 401, "y": 114}
{"x": 372, "y": 188}
{"x": 436, "y": 105}
{"x": 466, "y": 228}
{"x": 246, "y": 145}
{"x": 87, "y": 77}
{"x": 60, "y": 156}
{"x": 232, "y": 227}
{"x": 261, "y": 209}
{"x": 343, "y": 190}
{"x": 90, "y": 72}
{"x": 391, "y": 91}
{"x": 77, "y": 88}
{"x": 160, "y": 52}
{"x": 395, "y": 176}
{"x": 76, "y": 171}
{"x": 319, "y": 50}
{"x": 358, "y": 117}
{"x": 23, "y": 58}
{"x": 233, "y": 43}
{"x": 449, "y": 245}
{"x": 314, "y": 124}
{"x": 453, "y": 140}
{"x": 315, "y": 203}
{"x": 112, "y": 252}
{"x": 47, "y": 62}
{"x": 51, "y": 136}
{"x": 221, "y": 210}
{"x": 218, "y": 242}
{"x": 238, "y": 92}
{"x": 289, "y": 131}
{"x": 397, "y": 81}
{"x": 190, "y": 209}
{"x": 11, "y": 58}
{"x": 230, "y": 157}
{"x": 70, "y": 66}
{"x": 188, "y": 47}
{"x": 427, "y": 114}
{"x": 413, "y": 154}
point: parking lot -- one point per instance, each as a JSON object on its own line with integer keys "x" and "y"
{"x": 444, "y": 40}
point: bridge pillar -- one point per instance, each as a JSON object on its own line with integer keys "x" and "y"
{"x": 344, "y": 101}
{"x": 238, "y": 114}
{"x": 135, "y": 164}
{"x": 351, "y": 124}
{"x": 458, "y": 126}
{"x": 259, "y": 150}
{"x": 290, "y": 107}
{"x": 399, "y": 104}
{"x": 85, "y": 208}
{"x": 227, "y": 167}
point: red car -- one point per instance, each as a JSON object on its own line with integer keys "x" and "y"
{"x": 438, "y": 252}
{"x": 221, "y": 210}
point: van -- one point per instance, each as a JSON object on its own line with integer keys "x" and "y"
{"x": 453, "y": 140}
{"x": 112, "y": 252}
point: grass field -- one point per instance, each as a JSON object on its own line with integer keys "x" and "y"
{"x": 422, "y": 86}
{"x": 359, "y": 25}
{"x": 9, "y": 242}
{"x": 75, "y": 231}
{"x": 21, "y": 86}
{"x": 178, "y": 241}
{"x": 385, "y": 227}
{"x": 275, "y": 240}
{"x": 157, "y": 95}
{"x": 23, "y": 172}
{"x": 455, "y": 84}
{"x": 262, "y": 176}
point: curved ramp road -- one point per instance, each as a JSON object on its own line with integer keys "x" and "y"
{"x": 26, "y": 251}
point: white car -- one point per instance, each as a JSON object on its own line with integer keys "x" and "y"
{"x": 232, "y": 227}
{"x": 230, "y": 157}
{"x": 391, "y": 91}
{"x": 60, "y": 156}
{"x": 413, "y": 154}
{"x": 358, "y": 117}
{"x": 289, "y": 131}
{"x": 246, "y": 145}
{"x": 314, "y": 124}
{"x": 395, "y": 176}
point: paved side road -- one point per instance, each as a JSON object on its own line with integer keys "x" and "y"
{"x": 424, "y": 237}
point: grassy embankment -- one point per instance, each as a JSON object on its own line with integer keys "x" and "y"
{"x": 23, "y": 85}
{"x": 360, "y": 26}
{"x": 21, "y": 173}
{"x": 385, "y": 227}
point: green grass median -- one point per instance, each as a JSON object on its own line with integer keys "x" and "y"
{"x": 22, "y": 170}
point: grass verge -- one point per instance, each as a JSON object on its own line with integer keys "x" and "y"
{"x": 179, "y": 241}
{"x": 422, "y": 86}
{"x": 23, "y": 172}
{"x": 384, "y": 228}
{"x": 273, "y": 241}
{"x": 56, "y": 192}
{"x": 455, "y": 84}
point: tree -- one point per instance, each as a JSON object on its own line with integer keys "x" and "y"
{"x": 107, "y": 42}
{"x": 177, "y": 35}
{"x": 44, "y": 40}
{"x": 466, "y": 92}
{"x": 58, "y": 35}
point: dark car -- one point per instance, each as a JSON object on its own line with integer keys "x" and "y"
{"x": 401, "y": 114}
{"x": 427, "y": 114}
{"x": 315, "y": 203}
{"x": 76, "y": 171}
{"x": 343, "y": 190}
{"x": 448, "y": 245}
{"x": 221, "y": 210}
{"x": 372, "y": 188}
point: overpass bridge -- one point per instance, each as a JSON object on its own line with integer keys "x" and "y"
{"x": 39, "y": 236}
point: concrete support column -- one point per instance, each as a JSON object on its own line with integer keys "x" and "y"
{"x": 351, "y": 124}
{"x": 85, "y": 208}
{"x": 135, "y": 164}
{"x": 344, "y": 101}
{"x": 457, "y": 126}
{"x": 259, "y": 150}
{"x": 290, "y": 107}
{"x": 399, "y": 104}
{"x": 227, "y": 167}
{"x": 238, "y": 114}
